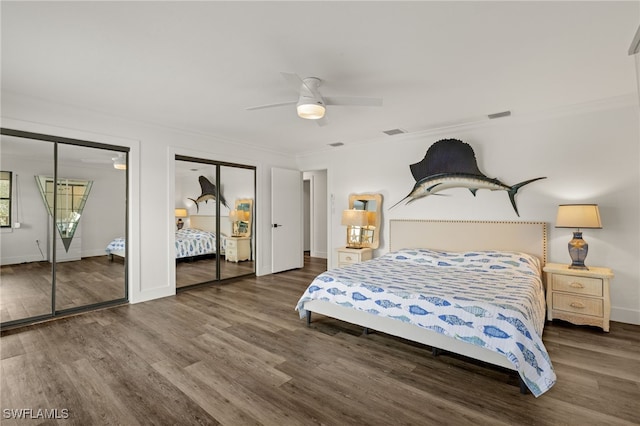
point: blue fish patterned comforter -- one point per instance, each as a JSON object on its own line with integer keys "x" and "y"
{"x": 117, "y": 245}
{"x": 189, "y": 242}
{"x": 194, "y": 242}
{"x": 486, "y": 298}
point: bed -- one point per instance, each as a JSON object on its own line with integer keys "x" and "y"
{"x": 198, "y": 240}
{"x": 471, "y": 288}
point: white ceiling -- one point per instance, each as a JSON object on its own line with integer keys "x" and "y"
{"x": 198, "y": 65}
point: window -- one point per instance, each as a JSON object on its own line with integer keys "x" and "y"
{"x": 5, "y": 199}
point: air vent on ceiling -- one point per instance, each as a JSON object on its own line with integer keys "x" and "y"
{"x": 394, "y": 132}
{"x": 336, "y": 144}
{"x": 499, "y": 115}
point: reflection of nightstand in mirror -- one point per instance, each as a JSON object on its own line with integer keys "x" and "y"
{"x": 349, "y": 256}
{"x": 237, "y": 249}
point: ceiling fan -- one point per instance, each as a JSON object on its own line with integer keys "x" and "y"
{"x": 311, "y": 104}
{"x": 119, "y": 161}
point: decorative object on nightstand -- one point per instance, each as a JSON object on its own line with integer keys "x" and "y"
{"x": 237, "y": 249}
{"x": 579, "y": 296}
{"x": 233, "y": 218}
{"x": 354, "y": 220}
{"x": 578, "y": 216}
{"x": 180, "y": 213}
{"x": 348, "y": 256}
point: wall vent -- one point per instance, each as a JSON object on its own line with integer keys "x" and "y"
{"x": 499, "y": 115}
{"x": 394, "y": 132}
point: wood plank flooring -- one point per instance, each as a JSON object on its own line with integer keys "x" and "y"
{"x": 238, "y": 354}
{"x": 26, "y": 288}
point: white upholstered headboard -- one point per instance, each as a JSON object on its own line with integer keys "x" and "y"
{"x": 208, "y": 223}
{"x": 452, "y": 235}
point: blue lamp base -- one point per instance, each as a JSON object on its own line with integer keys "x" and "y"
{"x": 578, "y": 249}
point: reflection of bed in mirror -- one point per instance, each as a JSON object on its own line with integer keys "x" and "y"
{"x": 195, "y": 241}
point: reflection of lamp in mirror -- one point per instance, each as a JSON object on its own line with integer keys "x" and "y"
{"x": 180, "y": 213}
{"x": 354, "y": 220}
{"x": 120, "y": 162}
{"x": 578, "y": 216}
{"x": 234, "y": 216}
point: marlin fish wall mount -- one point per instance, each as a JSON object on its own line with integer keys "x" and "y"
{"x": 451, "y": 163}
{"x": 208, "y": 190}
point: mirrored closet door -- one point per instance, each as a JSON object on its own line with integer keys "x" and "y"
{"x": 64, "y": 236}
{"x": 214, "y": 209}
{"x": 90, "y": 214}
{"x": 26, "y": 273}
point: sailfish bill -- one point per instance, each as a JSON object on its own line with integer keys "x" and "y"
{"x": 451, "y": 163}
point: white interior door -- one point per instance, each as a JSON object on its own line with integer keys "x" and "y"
{"x": 286, "y": 220}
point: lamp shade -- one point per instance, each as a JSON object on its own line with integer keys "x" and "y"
{"x": 353, "y": 217}
{"x": 233, "y": 216}
{"x": 371, "y": 218}
{"x": 180, "y": 213}
{"x": 578, "y": 216}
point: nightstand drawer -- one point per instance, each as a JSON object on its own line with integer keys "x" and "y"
{"x": 231, "y": 243}
{"x": 348, "y": 258}
{"x": 578, "y": 285}
{"x": 578, "y": 305}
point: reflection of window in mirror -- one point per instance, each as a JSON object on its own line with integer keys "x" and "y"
{"x": 72, "y": 196}
{"x": 372, "y": 203}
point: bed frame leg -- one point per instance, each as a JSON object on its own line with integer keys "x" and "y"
{"x": 523, "y": 386}
{"x": 365, "y": 331}
{"x": 308, "y": 318}
{"x": 436, "y": 351}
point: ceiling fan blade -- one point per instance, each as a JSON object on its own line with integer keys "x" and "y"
{"x": 271, "y": 105}
{"x": 347, "y": 100}
{"x": 294, "y": 80}
{"x": 322, "y": 121}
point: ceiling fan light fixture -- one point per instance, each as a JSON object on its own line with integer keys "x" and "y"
{"x": 311, "y": 110}
{"x": 119, "y": 163}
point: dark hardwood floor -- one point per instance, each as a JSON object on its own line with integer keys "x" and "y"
{"x": 238, "y": 354}
{"x": 26, "y": 287}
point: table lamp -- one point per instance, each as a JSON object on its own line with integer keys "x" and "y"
{"x": 354, "y": 220}
{"x": 578, "y": 216}
{"x": 180, "y": 213}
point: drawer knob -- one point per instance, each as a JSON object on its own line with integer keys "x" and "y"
{"x": 577, "y": 305}
{"x": 576, "y": 285}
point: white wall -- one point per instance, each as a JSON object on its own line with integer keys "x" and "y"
{"x": 588, "y": 153}
{"x": 318, "y": 212}
{"x": 102, "y": 220}
{"x": 152, "y": 181}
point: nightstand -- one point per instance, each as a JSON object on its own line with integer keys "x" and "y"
{"x": 349, "y": 256}
{"x": 578, "y": 296}
{"x": 237, "y": 249}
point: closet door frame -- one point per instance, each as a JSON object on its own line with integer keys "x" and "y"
{"x": 219, "y": 165}
{"x": 56, "y": 140}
